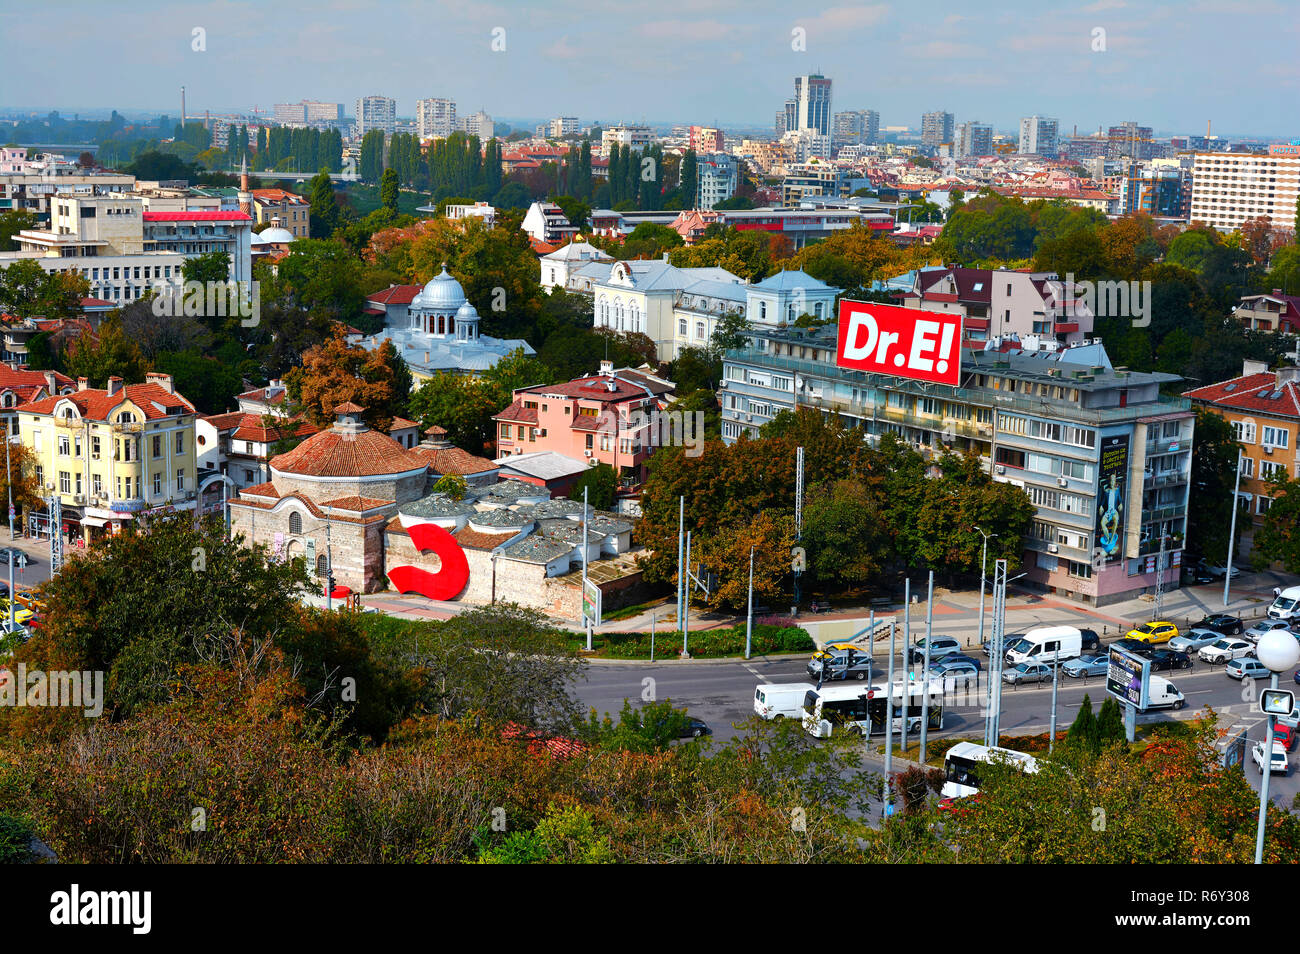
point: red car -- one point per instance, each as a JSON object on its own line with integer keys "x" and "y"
{"x": 1284, "y": 734}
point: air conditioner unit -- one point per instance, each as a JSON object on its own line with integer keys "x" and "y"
{"x": 1062, "y": 482}
{"x": 1267, "y": 449}
{"x": 1053, "y": 548}
{"x": 587, "y": 453}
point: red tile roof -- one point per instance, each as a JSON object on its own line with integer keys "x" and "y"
{"x": 401, "y": 422}
{"x": 249, "y": 427}
{"x": 262, "y": 490}
{"x": 1246, "y": 393}
{"x": 481, "y": 541}
{"x": 96, "y": 405}
{"x": 207, "y": 215}
{"x": 333, "y": 453}
{"x": 395, "y": 295}
{"x": 357, "y": 504}
{"x": 516, "y": 413}
{"x": 453, "y": 460}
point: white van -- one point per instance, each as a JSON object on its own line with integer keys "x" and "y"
{"x": 781, "y": 701}
{"x": 1046, "y": 644}
{"x": 1163, "y": 694}
{"x": 1286, "y": 605}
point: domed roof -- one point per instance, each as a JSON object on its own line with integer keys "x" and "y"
{"x": 442, "y": 293}
{"x": 466, "y": 312}
{"x": 273, "y": 236}
{"x": 342, "y": 453}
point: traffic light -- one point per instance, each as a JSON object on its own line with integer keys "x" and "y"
{"x": 329, "y": 582}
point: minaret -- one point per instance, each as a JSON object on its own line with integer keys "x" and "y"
{"x": 245, "y": 196}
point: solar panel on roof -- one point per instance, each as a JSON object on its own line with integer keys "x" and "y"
{"x": 1229, "y": 387}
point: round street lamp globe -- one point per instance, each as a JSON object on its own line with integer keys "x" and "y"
{"x": 1278, "y": 650}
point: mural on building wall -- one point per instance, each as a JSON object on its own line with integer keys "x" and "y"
{"x": 451, "y": 576}
{"x": 1110, "y": 504}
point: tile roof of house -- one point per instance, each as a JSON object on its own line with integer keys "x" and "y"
{"x": 475, "y": 540}
{"x": 395, "y": 295}
{"x": 335, "y": 453}
{"x": 259, "y": 394}
{"x": 24, "y": 383}
{"x": 249, "y": 427}
{"x": 516, "y": 413}
{"x": 262, "y": 490}
{"x": 278, "y": 195}
{"x": 1251, "y": 392}
{"x": 453, "y": 460}
{"x": 96, "y": 405}
{"x": 400, "y": 423}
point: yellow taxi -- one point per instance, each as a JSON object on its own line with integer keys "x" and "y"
{"x": 1153, "y": 633}
{"x": 22, "y": 615}
{"x": 829, "y": 648}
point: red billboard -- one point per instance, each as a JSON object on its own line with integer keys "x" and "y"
{"x": 904, "y": 342}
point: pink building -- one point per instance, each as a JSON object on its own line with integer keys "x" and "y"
{"x": 591, "y": 419}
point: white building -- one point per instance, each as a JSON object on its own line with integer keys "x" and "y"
{"x": 546, "y": 222}
{"x": 483, "y": 211}
{"x": 717, "y": 176}
{"x": 782, "y": 298}
{"x": 479, "y": 124}
{"x": 376, "y": 112}
{"x": 638, "y": 137}
{"x": 435, "y": 118}
{"x": 1038, "y": 136}
{"x": 562, "y": 126}
{"x": 559, "y": 267}
{"x": 1230, "y": 188}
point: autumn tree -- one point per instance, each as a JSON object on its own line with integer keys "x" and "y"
{"x": 336, "y": 373}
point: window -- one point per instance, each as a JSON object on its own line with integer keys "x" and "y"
{"x": 64, "y": 445}
{"x": 1011, "y": 424}
{"x": 94, "y": 447}
{"x": 1276, "y": 437}
{"x": 1268, "y": 468}
{"x": 1247, "y": 467}
{"x": 180, "y": 480}
{"x": 1009, "y": 457}
{"x": 40, "y": 477}
{"x": 157, "y": 484}
{"x": 295, "y": 522}
{"x": 97, "y": 485}
{"x": 65, "y": 482}
{"x": 681, "y": 327}
{"x": 1082, "y": 570}
{"x": 1262, "y": 504}
{"x": 699, "y": 330}
{"x": 157, "y": 445}
{"x": 1245, "y": 431}
{"x": 322, "y": 566}
{"x": 180, "y": 442}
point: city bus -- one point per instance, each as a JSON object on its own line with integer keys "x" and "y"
{"x": 961, "y": 766}
{"x": 861, "y": 711}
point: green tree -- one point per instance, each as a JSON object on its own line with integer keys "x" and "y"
{"x": 323, "y": 209}
{"x": 110, "y": 353}
{"x": 388, "y": 191}
{"x": 600, "y": 483}
{"x": 1213, "y": 479}
{"x": 1083, "y": 730}
{"x": 1277, "y": 540}
{"x": 13, "y": 221}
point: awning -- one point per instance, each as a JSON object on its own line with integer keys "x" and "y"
{"x": 341, "y": 593}
{"x": 94, "y": 521}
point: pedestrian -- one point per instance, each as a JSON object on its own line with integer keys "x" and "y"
{"x": 1277, "y": 591}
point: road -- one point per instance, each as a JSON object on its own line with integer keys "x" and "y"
{"x": 721, "y": 693}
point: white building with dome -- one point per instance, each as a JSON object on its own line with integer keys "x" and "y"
{"x": 441, "y": 333}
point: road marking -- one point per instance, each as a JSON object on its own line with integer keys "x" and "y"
{"x": 756, "y": 674}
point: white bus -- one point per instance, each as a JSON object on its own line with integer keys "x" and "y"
{"x": 862, "y": 710}
{"x": 961, "y": 766}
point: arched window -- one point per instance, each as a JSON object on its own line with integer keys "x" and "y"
{"x": 602, "y": 311}
{"x": 295, "y": 522}
{"x": 322, "y": 566}
{"x": 619, "y": 313}
{"x": 634, "y": 322}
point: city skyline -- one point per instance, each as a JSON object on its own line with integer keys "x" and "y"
{"x": 990, "y": 68}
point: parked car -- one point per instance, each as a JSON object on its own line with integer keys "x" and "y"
{"x": 940, "y": 646}
{"x": 1154, "y": 632}
{"x": 1225, "y": 649}
{"x": 693, "y": 728}
{"x": 1194, "y": 639}
{"x": 1133, "y": 646}
{"x": 1196, "y": 576}
{"x": 1278, "y": 763}
{"x": 962, "y": 657}
{"x": 1027, "y": 672}
{"x": 18, "y": 556}
{"x": 1007, "y": 639}
{"x": 1094, "y": 665}
{"x": 1247, "y": 667}
{"x": 1166, "y": 659}
{"x": 842, "y": 664}
{"x": 955, "y": 670}
{"x": 1286, "y": 734}
{"x": 1265, "y": 626}
{"x": 1222, "y": 623}
{"x": 1090, "y": 639}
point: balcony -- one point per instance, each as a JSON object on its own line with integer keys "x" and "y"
{"x": 1065, "y": 327}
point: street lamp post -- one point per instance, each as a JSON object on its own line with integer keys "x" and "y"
{"x": 1232, "y": 530}
{"x": 984, "y": 553}
{"x": 1279, "y": 651}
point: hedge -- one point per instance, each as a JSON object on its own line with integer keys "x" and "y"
{"x": 706, "y": 642}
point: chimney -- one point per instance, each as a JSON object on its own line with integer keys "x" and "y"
{"x": 1277, "y": 291}
{"x": 114, "y": 385}
{"x": 163, "y": 381}
{"x": 1289, "y": 374}
{"x": 1249, "y": 367}
{"x": 51, "y": 384}
{"x": 82, "y": 384}
{"x": 607, "y": 368}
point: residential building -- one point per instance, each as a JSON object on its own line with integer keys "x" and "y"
{"x": 1231, "y": 188}
{"x": 290, "y": 208}
{"x": 593, "y": 419}
{"x": 805, "y": 145}
{"x": 813, "y": 178}
{"x": 1263, "y": 408}
{"x": 21, "y": 385}
{"x": 936, "y": 128}
{"x": 114, "y": 455}
{"x": 562, "y": 126}
{"x": 718, "y": 174}
{"x": 999, "y": 303}
{"x": 307, "y": 113}
{"x": 638, "y": 137}
{"x": 973, "y": 139}
{"x": 240, "y": 444}
{"x": 483, "y": 211}
{"x": 812, "y": 101}
{"x": 435, "y": 118}
{"x": 782, "y": 298}
{"x": 857, "y": 126}
{"x": 1273, "y": 312}
{"x": 706, "y": 139}
{"x": 1162, "y": 192}
{"x": 376, "y": 112}
{"x": 1131, "y": 141}
{"x": 1038, "y": 136}
{"x": 1104, "y": 458}
{"x": 32, "y": 191}
{"x": 440, "y": 333}
{"x": 477, "y": 124}
{"x": 546, "y": 222}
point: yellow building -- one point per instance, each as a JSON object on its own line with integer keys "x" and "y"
{"x": 113, "y": 455}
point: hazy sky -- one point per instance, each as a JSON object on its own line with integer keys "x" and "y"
{"x": 1169, "y": 65}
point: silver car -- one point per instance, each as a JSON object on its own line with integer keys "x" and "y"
{"x": 1265, "y": 626}
{"x": 1194, "y": 639}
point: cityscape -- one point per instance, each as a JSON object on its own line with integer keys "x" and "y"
{"x": 748, "y": 434}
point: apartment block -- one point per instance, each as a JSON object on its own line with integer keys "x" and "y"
{"x": 376, "y": 112}
{"x": 1230, "y": 188}
{"x": 435, "y": 118}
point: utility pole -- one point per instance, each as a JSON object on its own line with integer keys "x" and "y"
{"x": 889, "y": 728}
{"x": 1158, "y": 606}
{"x": 798, "y": 513}
{"x": 907, "y": 659}
{"x": 681, "y": 552}
{"x": 9, "y": 482}
{"x": 749, "y": 612}
{"x": 993, "y": 725}
{"x": 1232, "y": 532}
{"x": 686, "y": 600}
{"x": 1056, "y": 681}
{"x": 55, "y": 506}
{"x": 329, "y": 566}
{"x": 586, "y": 620}
{"x": 984, "y": 554}
{"x": 925, "y": 670}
